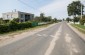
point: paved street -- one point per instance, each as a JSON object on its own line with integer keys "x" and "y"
{"x": 56, "y": 40}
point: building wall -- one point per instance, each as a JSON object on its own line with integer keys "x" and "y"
{"x": 23, "y": 15}
{"x": 18, "y": 14}
{"x": 10, "y": 15}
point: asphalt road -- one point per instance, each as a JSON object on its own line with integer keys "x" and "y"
{"x": 56, "y": 40}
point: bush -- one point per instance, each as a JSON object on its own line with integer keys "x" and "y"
{"x": 82, "y": 21}
{"x": 4, "y": 28}
{"x": 13, "y": 26}
{"x": 24, "y": 25}
{"x": 16, "y": 19}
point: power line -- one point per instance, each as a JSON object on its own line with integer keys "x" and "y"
{"x": 28, "y": 5}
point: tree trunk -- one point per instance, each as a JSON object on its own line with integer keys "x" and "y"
{"x": 74, "y": 17}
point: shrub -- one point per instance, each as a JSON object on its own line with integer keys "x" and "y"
{"x": 13, "y": 26}
{"x": 4, "y": 28}
{"x": 16, "y": 19}
{"x": 24, "y": 25}
{"x": 82, "y": 21}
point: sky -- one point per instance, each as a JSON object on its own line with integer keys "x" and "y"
{"x": 54, "y": 8}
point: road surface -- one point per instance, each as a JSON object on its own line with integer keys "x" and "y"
{"x": 56, "y": 40}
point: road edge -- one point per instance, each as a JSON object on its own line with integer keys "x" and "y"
{"x": 82, "y": 36}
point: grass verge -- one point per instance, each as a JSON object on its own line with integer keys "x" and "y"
{"x": 81, "y": 28}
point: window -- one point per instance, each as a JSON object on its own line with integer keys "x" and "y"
{"x": 21, "y": 15}
{"x": 7, "y": 16}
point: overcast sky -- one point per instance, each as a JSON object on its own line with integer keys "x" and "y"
{"x": 54, "y": 8}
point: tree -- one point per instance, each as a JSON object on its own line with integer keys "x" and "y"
{"x": 75, "y": 8}
{"x": 37, "y": 19}
{"x": 68, "y": 19}
{"x": 55, "y": 20}
{"x": 42, "y": 16}
{"x": 49, "y": 18}
{"x": 76, "y": 19}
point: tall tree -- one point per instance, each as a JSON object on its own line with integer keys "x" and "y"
{"x": 75, "y": 8}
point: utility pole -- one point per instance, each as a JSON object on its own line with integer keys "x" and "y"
{"x": 81, "y": 11}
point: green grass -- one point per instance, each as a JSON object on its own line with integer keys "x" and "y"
{"x": 81, "y": 28}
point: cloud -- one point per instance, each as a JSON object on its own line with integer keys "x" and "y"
{"x": 56, "y": 8}
{"x": 51, "y": 7}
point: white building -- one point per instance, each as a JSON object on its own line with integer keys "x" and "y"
{"x": 23, "y": 16}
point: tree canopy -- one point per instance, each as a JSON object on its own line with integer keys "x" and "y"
{"x": 75, "y": 8}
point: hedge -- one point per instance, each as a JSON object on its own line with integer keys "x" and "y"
{"x": 13, "y": 26}
{"x": 4, "y": 28}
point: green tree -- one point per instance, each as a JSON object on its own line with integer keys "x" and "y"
{"x": 75, "y": 8}
{"x": 37, "y": 19}
{"x": 43, "y": 18}
{"x": 76, "y": 19}
{"x": 68, "y": 19}
{"x": 49, "y": 19}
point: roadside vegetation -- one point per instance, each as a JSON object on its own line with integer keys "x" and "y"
{"x": 11, "y": 33}
{"x": 7, "y": 26}
{"x": 79, "y": 27}
{"x": 74, "y": 10}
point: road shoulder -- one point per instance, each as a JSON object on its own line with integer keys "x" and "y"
{"x": 82, "y": 35}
